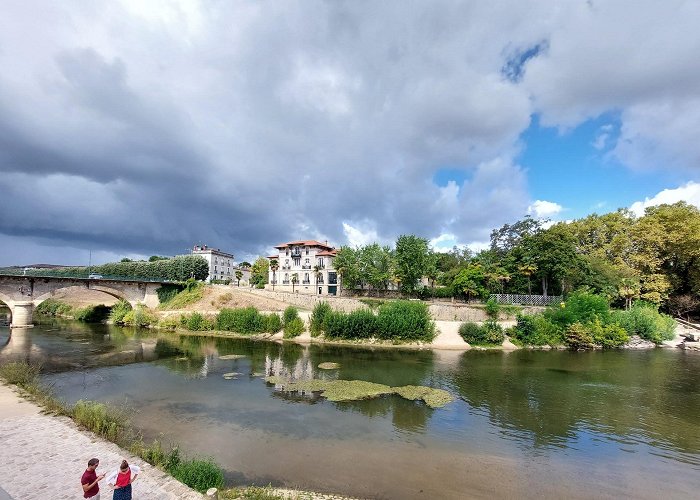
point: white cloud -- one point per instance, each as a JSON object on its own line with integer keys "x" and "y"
{"x": 689, "y": 193}
{"x": 443, "y": 243}
{"x": 164, "y": 122}
{"x": 360, "y": 234}
{"x": 543, "y": 209}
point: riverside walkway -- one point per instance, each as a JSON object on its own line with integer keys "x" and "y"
{"x": 43, "y": 456}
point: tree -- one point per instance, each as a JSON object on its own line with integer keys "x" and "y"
{"x": 470, "y": 282}
{"x": 411, "y": 261}
{"x": 245, "y": 265}
{"x": 154, "y": 258}
{"x": 528, "y": 269}
{"x": 554, "y": 253}
{"x": 375, "y": 266}
{"x": 348, "y": 266}
{"x": 274, "y": 266}
{"x": 239, "y": 275}
{"x": 504, "y": 239}
{"x": 295, "y": 280}
{"x": 259, "y": 271}
{"x": 629, "y": 288}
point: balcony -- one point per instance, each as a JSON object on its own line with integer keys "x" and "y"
{"x": 273, "y": 282}
{"x": 306, "y": 266}
{"x": 285, "y": 282}
{"x": 306, "y": 282}
{"x": 319, "y": 281}
{"x": 286, "y": 267}
{"x": 296, "y": 253}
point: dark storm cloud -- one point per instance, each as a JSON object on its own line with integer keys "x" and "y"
{"x": 139, "y": 128}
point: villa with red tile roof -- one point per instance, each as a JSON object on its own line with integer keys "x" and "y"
{"x": 304, "y": 266}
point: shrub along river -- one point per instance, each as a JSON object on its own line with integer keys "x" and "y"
{"x": 526, "y": 423}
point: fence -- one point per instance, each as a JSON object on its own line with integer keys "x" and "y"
{"x": 527, "y": 300}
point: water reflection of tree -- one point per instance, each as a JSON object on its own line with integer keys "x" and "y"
{"x": 547, "y": 397}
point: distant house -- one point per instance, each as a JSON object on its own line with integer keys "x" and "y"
{"x": 311, "y": 262}
{"x": 221, "y": 265}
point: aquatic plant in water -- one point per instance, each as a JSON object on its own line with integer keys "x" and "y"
{"x": 329, "y": 366}
{"x": 353, "y": 390}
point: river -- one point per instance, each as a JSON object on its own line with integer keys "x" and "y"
{"x": 524, "y": 424}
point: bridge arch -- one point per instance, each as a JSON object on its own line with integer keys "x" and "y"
{"x": 118, "y": 294}
{"x": 7, "y": 301}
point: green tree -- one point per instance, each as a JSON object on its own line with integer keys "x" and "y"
{"x": 347, "y": 263}
{"x": 412, "y": 260}
{"x": 239, "y": 275}
{"x": 376, "y": 266}
{"x": 470, "y": 282}
{"x": 274, "y": 266}
{"x": 259, "y": 271}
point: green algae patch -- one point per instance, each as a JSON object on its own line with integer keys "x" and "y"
{"x": 435, "y": 398}
{"x": 354, "y": 390}
{"x": 329, "y": 366}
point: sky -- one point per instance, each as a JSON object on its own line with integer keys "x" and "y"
{"x": 131, "y": 128}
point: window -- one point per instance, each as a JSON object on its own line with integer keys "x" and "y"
{"x": 286, "y": 252}
{"x": 307, "y": 251}
{"x": 306, "y": 261}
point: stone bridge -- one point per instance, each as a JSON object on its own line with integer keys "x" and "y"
{"x": 23, "y": 293}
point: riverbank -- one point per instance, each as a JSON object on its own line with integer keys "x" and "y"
{"x": 43, "y": 456}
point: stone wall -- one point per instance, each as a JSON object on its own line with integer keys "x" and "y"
{"x": 443, "y": 311}
{"x": 308, "y": 301}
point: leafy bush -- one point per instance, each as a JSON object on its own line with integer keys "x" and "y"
{"x": 580, "y": 307}
{"x": 405, "y": 320}
{"x": 198, "y": 323}
{"x": 536, "y": 330}
{"x": 169, "y": 323}
{"x": 607, "y": 336}
{"x": 199, "y": 474}
{"x": 492, "y": 308}
{"x": 644, "y": 320}
{"x": 293, "y": 328}
{"x": 53, "y": 307}
{"x": 490, "y": 333}
{"x": 273, "y": 323}
{"x": 318, "y": 318}
{"x": 244, "y": 320}
{"x": 290, "y": 314}
{"x": 578, "y": 337}
{"x": 92, "y": 314}
{"x": 168, "y": 292}
{"x": 119, "y": 311}
{"x": 360, "y": 324}
{"x": 471, "y": 332}
{"x": 334, "y": 324}
{"x": 140, "y": 316}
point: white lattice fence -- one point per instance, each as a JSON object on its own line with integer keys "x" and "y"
{"x": 527, "y": 300}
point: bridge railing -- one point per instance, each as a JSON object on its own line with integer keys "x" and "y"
{"x": 82, "y": 276}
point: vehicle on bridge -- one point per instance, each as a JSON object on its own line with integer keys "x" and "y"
{"x": 94, "y": 276}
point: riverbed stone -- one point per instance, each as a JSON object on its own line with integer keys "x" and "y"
{"x": 43, "y": 456}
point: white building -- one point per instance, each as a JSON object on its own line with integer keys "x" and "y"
{"x": 221, "y": 266}
{"x": 304, "y": 266}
